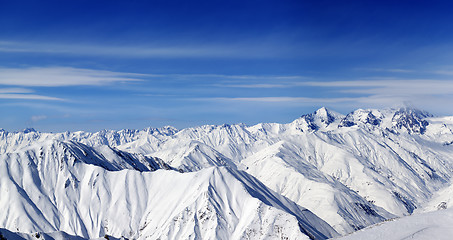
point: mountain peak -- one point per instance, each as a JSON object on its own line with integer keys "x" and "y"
{"x": 326, "y": 116}
{"x": 165, "y": 130}
{"x": 322, "y": 110}
{"x": 29, "y": 130}
{"x": 360, "y": 116}
{"x": 413, "y": 111}
{"x": 320, "y": 118}
{"x": 410, "y": 118}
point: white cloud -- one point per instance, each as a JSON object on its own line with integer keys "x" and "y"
{"x": 392, "y": 70}
{"x": 396, "y": 87}
{"x": 29, "y": 97}
{"x": 230, "y": 78}
{"x": 362, "y": 93}
{"x": 61, "y": 76}
{"x": 38, "y": 118}
{"x": 253, "y": 77}
{"x": 15, "y": 90}
{"x": 257, "y": 85}
{"x": 348, "y": 103}
{"x": 235, "y": 50}
{"x": 258, "y": 81}
{"x": 429, "y": 94}
{"x": 283, "y": 99}
{"x": 444, "y": 72}
{"x": 23, "y": 93}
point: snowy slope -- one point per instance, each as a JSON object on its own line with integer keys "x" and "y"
{"x": 387, "y": 158}
{"x": 442, "y": 199}
{"x": 350, "y": 170}
{"x": 37, "y": 235}
{"x": 432, "y": 225}
{"x": 284, "y": 171}
{"x": 56, "y": 187}
{"x": 192, "y": 156}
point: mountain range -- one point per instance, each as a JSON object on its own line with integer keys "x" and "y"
{"x": 324, "y": 175}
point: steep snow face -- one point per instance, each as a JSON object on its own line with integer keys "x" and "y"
{"x": 432, "y": 225}
{"x": 68, "y": 187}
{"x": 60, "y": 154}
{"x": 285, "y": 171}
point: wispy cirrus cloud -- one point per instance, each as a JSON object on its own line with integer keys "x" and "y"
{"x": 24, "y": 93}
{"x": 15, "y": 90}
{"x": 257, "y": 85}
{"x": 436, "y": 71}
{"x": 220, "y": 50}
{"x": 37, "y": 118}
{"x": 61, "y": 76}
{"x": 254, "y": 85}
{"x": 390, "y": 70}
{"x": 448, "y": 72}
{"x": 305, "y": 100}
{"x": 232, "y": 78}
{"x": 397, "y": 87}
{"x": 333, "y": 102}
{"x": 260, "y": 81}
{"x": 29, "y": 97}
{"x": 425, "y": 93}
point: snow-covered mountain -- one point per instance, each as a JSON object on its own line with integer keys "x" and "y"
{"x": 70, "y": 187}
{"x": 322, "y": 174}
{"x": 431, "y": 225}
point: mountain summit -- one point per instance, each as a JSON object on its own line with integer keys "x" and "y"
{"x": 412, "y": 120}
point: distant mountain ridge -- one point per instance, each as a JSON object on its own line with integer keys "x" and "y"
{"x": 350, "y": 171}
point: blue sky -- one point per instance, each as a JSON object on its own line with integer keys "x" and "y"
{"x": 92, "y": 65}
